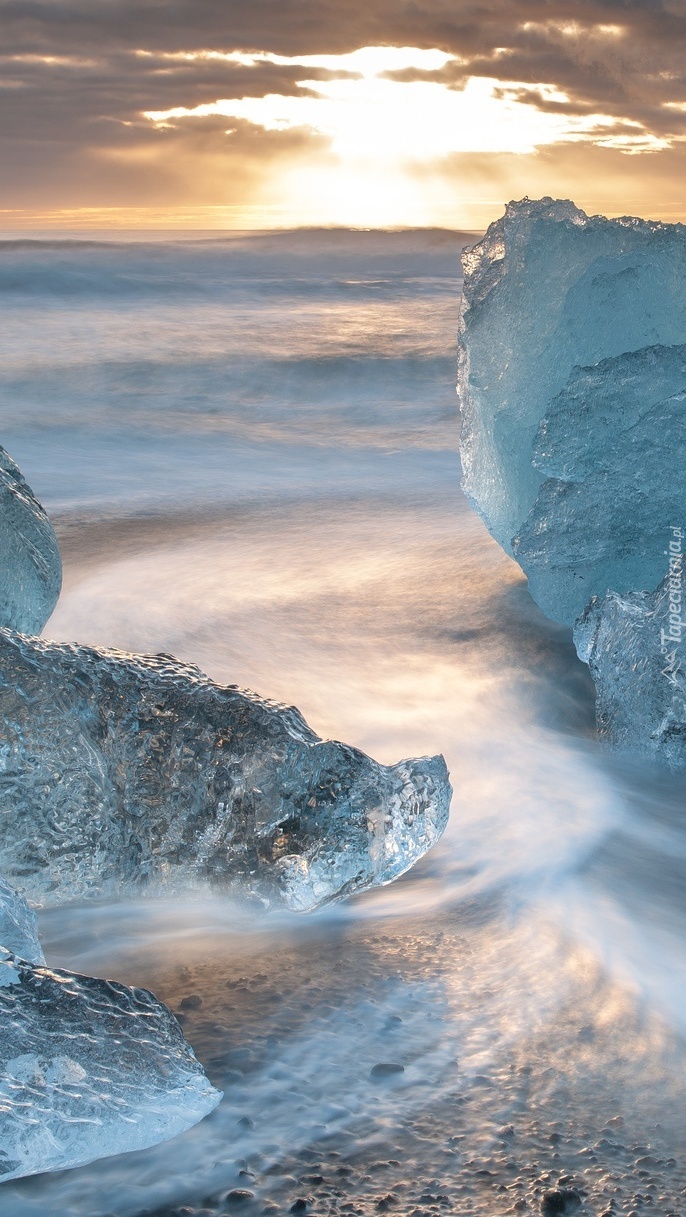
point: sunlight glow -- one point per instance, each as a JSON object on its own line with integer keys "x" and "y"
{"x": 575, "y": 29}
{"x": 374, "y": 117}
{"x": 361, "y": 197}
{"x": 374, "y": 149}
{"x": 367, "y": 61}
{"x": 61, "y": 61}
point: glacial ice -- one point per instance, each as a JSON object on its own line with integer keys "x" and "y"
{"x": 571, "y": 374}
{"x": 88, "y": 1068}
{"x": 30, "y": 565}
{"x": 632, "y": 645}
{"x": 572, "y": 384}
{"x": 122, "y": 772}
{"x": 18, "y": 925}
{"x": 614, "y": 481}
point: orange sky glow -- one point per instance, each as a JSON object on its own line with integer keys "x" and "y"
{"x": 199, "y": 135}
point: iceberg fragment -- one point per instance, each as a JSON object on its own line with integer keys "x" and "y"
{"x": 30, "y": 564}
{"x": 121, "y": 771}
{"x": 564, "y": 323}
{"x": 18, "y": 925}
{"x": 88, "y": 1068}
{"x": 632, "y": 649}
{"x": 614, "y": 481}
{"x": 572, "y": 385}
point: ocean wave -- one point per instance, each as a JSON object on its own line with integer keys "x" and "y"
{"x": 336, "y": 261}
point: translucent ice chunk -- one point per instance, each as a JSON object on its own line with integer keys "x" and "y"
{"x": 30, "y": 565}
{"x": 634, "y": 647}
{"x": 121, "y": 771}
{"x": 610, "y": 447}
{"x": 18, "y": 925}
{"x": 572, "y": 382}
{"x": 88, "y": 1068}
{"x": 547, "y": 289}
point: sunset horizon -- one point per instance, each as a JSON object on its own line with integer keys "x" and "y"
{"x": 286, "y": 116}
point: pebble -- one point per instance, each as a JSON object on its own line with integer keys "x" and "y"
{"x": 192, "y": 1002}
{"x": 386, "y": 1069}
{"x": 560, "y": 1200}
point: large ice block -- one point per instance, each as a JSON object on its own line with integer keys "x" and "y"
{"x": 122, "y": 771}
{"x": 18, "y": 925}
{"x": 614, "y": 464}
{"x": 554, "y": 304}
{"x": 572, "y": 383}
{"x": 88, "y": 1068}
{"x": 634, "y": 645}
{"x": 30, "y": 565}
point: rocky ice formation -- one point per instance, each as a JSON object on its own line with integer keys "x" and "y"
{"x": 632, "y": 645}
{"x": 18, "y": 925}
{"x": 571, "y": 380}
{"x": 614, "y": 481}
{"x": 572, "y": 384}
{"x": 88, "y": 1068}
{"x": 122, "y": 771}
{"x": 30, "y": 564}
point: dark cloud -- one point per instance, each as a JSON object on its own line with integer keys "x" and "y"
{"x": 600, "y": 180}
{"x": 189, "y": 165}
{"x": 67, "y": 125}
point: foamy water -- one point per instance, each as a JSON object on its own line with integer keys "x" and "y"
{"x": 249, "y": 449}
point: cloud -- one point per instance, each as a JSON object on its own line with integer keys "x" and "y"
{"x": 74, "y": 85}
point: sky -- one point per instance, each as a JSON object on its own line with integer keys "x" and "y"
{"x": 363, "y": 113}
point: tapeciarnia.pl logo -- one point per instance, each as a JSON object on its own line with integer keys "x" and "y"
{"x": 670, "y": 638}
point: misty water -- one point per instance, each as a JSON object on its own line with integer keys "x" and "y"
{"x": 249, "y": 449}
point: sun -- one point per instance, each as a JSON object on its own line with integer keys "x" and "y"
{"x": 387, "y": 117}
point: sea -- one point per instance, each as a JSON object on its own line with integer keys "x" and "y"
{"x": 248, "y": 444}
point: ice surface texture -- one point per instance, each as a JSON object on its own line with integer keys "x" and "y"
{"x": 610, "y": 447}
{"x": 30, "y": 565}
{"x": 88, "y": 1068}
{"x": 572, "y": 383}
{"x": 18, "y": 926}
{"x": 632, "y": 647}
{"x": 120, "y": 771}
